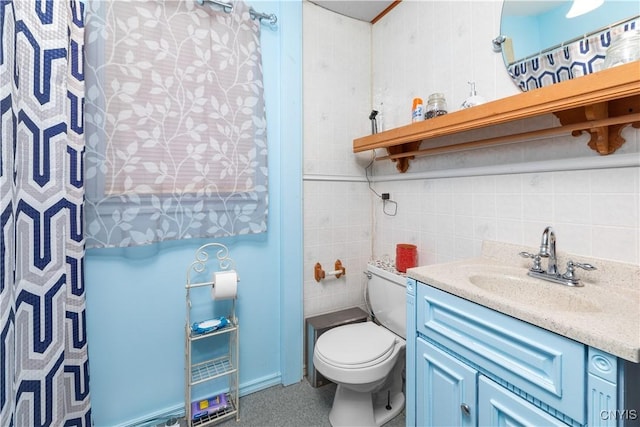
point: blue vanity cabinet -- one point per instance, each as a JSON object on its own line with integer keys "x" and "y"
{"x": 455, "y": 394}
{"x": 602, "y": 389}
{"x": 468, "y": 365}
{"x": 410, "y": 352}
{"x": 613, "y": 391}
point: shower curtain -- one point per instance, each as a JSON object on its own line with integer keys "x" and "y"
{"x": 43, "y": 348}
{"x": 578, "y": 58}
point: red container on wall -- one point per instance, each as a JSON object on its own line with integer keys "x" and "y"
{"x": 406, "y": 256}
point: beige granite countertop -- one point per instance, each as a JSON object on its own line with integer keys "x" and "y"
{"x": 604, "y": 313}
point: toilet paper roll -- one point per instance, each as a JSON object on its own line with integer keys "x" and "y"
{"x": 225, "y": 285}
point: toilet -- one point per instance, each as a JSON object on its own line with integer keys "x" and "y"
{"x": 366, "y": 360}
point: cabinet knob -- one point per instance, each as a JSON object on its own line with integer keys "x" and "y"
{"x": 465, "y": 409}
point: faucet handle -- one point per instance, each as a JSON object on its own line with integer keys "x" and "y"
{"x": 536, "y": 261}
{"x": 527, "y": 255}
{"x": 585, "y": 266}
{"x": 571, "y": 269}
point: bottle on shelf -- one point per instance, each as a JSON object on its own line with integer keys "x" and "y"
{"x": 473, "y": 99}
{"x": 417, "y": 112}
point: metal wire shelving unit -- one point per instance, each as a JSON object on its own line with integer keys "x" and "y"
{"x": 226, "y": 366}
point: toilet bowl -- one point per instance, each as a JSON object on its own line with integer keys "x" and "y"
{"x": 366, "y": 360}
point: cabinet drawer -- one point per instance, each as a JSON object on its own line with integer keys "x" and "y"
{"x": 544, "y": 368}
{"x": 498, "y": 407}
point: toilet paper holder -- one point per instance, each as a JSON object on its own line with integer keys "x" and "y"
{"x": 320, "y": 274}
{"x": 202, "y": 258}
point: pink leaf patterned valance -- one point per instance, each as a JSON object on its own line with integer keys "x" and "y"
{"x": 176, "y": 126}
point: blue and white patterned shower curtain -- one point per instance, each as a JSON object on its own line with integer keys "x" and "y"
{"x": 44, "y": 376}
{"x": 576, "y": 59}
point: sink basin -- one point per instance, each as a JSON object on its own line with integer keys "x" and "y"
{"x": 527, "y": 290}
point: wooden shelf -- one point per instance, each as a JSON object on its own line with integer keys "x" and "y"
{"x": 601, "y": 104}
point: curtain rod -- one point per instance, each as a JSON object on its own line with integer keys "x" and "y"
{"x": 228, "y": 8}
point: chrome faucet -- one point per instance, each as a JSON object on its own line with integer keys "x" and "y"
{"x": 548, "y": 250}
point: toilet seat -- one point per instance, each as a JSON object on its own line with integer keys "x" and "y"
{"x": 356, "y": 346}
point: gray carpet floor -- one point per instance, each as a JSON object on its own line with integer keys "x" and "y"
{"x": 297, "y": 405}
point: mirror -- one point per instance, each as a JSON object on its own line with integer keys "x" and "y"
{"x": 533, "y": 26}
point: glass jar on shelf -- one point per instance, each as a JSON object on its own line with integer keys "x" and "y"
{"x": 624, "y": 48}
{"x": 436, "y": 106}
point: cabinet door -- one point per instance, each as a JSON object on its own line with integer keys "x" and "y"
{"x": 445, "y": 388}
{"x": 498, "y": 407}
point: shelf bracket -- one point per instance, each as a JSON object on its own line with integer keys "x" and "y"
{"x": 604, "y": 139}
{"x": 402, "y": 163}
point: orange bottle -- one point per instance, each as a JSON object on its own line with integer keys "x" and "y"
{"x": 417, "y": 111}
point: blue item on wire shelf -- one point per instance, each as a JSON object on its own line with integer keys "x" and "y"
{"x": 209, "y": 325}
{"x": 209, "y": 406}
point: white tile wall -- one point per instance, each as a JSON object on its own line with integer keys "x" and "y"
{"x": 337, "y": 90}
{"x": 337, "y": 103}
{"x": 337, "y": 225}
{"x": 458, "y": 213}
{"x": 419, "y": 48}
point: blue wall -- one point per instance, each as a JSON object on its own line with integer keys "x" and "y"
{"x": 135, "y": 296}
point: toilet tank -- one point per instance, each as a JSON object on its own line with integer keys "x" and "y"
{"x": 388, "y": 299}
